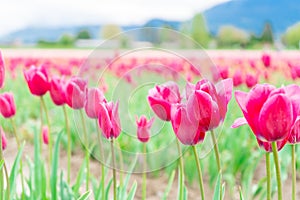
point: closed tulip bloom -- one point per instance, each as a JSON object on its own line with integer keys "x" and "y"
{"x": 94, "y": 96}
{"x": 37, "y": 80}
{"x": 251, "y": 80}
{"x": 4, "y": 140}
{"x": 45, "y": 134}
{"x": 143, "y": 128}
{"x": 162, "y": 97}
{"x": 57, "y": 91}
{"x": 266, "y": 59}
{"x": 207, "y": 103}
{"x": 270, "y": 112}
{"x": 109, "y": 120}
{"x": 7, "y": 105}
{"x": 2, "y": 71}
{"x": 237, "y": 78}
{"x": 75, "y": 92}
{"x": 186, "y": 130}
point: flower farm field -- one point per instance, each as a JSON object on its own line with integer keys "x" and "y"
{"x": 126, "y": 82}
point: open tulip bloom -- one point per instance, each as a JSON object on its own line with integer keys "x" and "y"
{"x": 272, "y": 114}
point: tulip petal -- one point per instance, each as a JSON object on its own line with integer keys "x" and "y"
{"x": 275, "y": 119}
{"x": 239, "y": 122}
{"x": 160, "y": 107}
{"x": 104, "y": 121}
{"x": 115, "y": 120}
{"x": 224, "y": 89}
{"x": 295, "y": 132}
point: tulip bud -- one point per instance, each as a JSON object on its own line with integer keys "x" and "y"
{"x": 37, "y": 80}
{"x": 143, "y": 128}
{"x": 57, "y": 91}
{"x": 75, "y": 92}
{"x": 7, "y": 105}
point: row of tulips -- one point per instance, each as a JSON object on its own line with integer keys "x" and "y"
{"x": 272, "y": 114}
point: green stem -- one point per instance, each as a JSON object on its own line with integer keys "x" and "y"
{"x": 21, "y": 163}
{"x": 7, "y": 181}
{"x": 113, "y": 168}
{"x": 294, "y": 171}
{"x": 69, "y": 148}
{"x": 278, "y": 177}
{"x": 144, "y": 187}
{"x": 199, "y": 171}
{"x": 181, "y": 173}
{"x": 102, "y": 159}
{"x": 41, "y": 138}
{"x": 121, "y": 164}
{"x": 87, "y": 155}
{"x": 1, "y": 170}
{"x": 268, "y": 176}
{"x": 49, "y": 127}
{"x": 216, "y": 149}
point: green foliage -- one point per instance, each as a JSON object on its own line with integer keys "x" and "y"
{"x": 110, "y": 30}
{"x": 66, "y": 40}
{"x": 229, "y": 35}
{"x": 83, "y": 34}
{"x": 199, "y": 30}
{"x": 267, "y": 34}
{"x": 292, "y": 36}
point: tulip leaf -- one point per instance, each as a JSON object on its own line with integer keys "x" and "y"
{"x": 217, "y": 191}
{"x": 79, "y": 179}
{"x": 132, "y": 191}
{"x": 170, "y": 183}
{"x": 85, "y": 196}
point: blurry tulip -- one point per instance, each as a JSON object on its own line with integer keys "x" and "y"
{"x": 2, "y": 71}
{"x": 57, "y": 91}
{"x": 37, "y": 80}
{"x": 143, "y": 128}
{"x": 162, "y": 97}
{"x": 4, "y": 140}
{"x": 45, "y": 132}
{"x": 75, "y": 92}
{"x": 7, "y": 105}
{"x": 94, "y": 96}
{"x": 251, "y": 80}
{"x": 270, "y": 112}
{"x": 266, "y": 59}
{"x": 109, "y": 120}
{"x": 207, "y": 103}
{"x": 237, "y": 78}
{"x": 224, "y": 72}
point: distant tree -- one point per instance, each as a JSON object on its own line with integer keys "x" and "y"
{"x": 267, "y": 34}
{"x": 230, "y": 35}
{"x": 110, "y": 30}
{"x": 66, "y": 40}
{"x": 199, "y": 30}
{"x": 292, "y": 36}
{"x": 83, "y": 34}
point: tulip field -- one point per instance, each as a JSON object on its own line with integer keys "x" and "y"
{"x": 81, "y": 124}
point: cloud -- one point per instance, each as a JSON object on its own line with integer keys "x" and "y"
{"x": 16, "y": 14}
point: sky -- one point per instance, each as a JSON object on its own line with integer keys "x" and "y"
{"x": 18, "y": 14}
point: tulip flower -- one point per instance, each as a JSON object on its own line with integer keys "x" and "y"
{"x": 162, "y": 98}
{"x": 251, "y": 80}
{"x": 94, "y": 96}
{"x": 45, "y": 134}
{"x": 75, "y": 92}
{"x": 7, "y": 105}
{"x": 109, "y": 120}
{"x": 224, "y": 72}
{"x": 2, "y": 71}
{"x": 3, "y": 139}
{"x": 37, "y": 80}
{"x": 143, "y": 128}
{"x": 266, "y": 59}
{"x": 237, "y": 78}
{"x": 57, "y": 91}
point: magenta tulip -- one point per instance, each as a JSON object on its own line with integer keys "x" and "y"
{"x": 267, "y": 146}
{"x": 7, "y": 105}
{"x": 162, "y": 98}
{"x": 109, "y": 120}
{"x": 186, "y": 130}
{"x": 251, "y": 80}
{"x": 45, "y": 134}
{"x": 270, "y": 112}
{"x": 143, "y": 128}
{"x": 2, "y": 71}
{"x": 266, "y": 59}
{"x": 57, "y": 91}
{"x": 37, "y": 80}
{"x": 207, "y": 103}
{"x": 237, "y": 78}
{"x": 4, "y": 140}
{"x": 75, "y": 92}
{"x": 94, "y": 96}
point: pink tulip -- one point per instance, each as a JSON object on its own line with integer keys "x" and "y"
{"x": 57, "y": 91}
{"x": 207, "y": 103}
{"x": 7, "y": 105}
{"x": 162, "y": 97}
{"x": 45, "y": 132}
{"x": 75, "y": 92}
{"x": 251, "y": 80}
{"x": 37, "y": 80}
{"x": 224, "y": 72}
{"x": 270, "y": 112}
{"x": 237, "y": 78}
{"x": 266, "y": 59}
{"x": 4, "y": 140}
{"x": 143, "y": 128}
{"x": 94, "y": 96}
{"x": 186, "y": 130}
{"x": 109, "y": 120}
{"x": 2, "y": 71}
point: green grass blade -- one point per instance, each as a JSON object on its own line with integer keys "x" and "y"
{"x": 170, "y": 183}
{"x": 85, "y": 196}
{"x": 79, "y": 179}
{"x": 14, "y": 172}
{"x": 132, "y": 191}
{"x": 54, "y": 167}
{"x": 217, "y": 192}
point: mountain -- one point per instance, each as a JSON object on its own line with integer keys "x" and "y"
{"x": 252, "y": 14}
